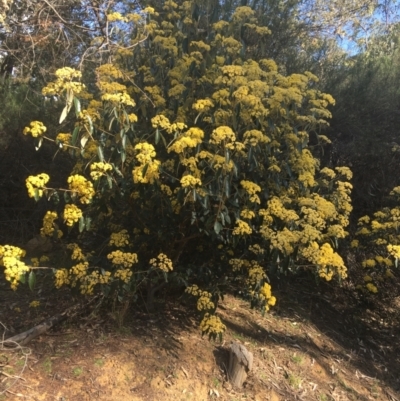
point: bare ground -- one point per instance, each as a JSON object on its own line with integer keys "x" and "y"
{"x": 310, "y": 347}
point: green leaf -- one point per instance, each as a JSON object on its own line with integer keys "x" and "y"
{"x": 163, "y": 139}
{"x": 77, "y": 105}
{"x": 81, "y": 224}
{"x": 75, "y": 135}
{"x": 111, "y": 123}
{"x": 36, "y": 195}
{"x": 109, "y": 181}
{"x": 123, "y": 155}
{"x": 32, "y": 280}
{"x": 88, "y": 222}
{"x": 64, "y": 114}
{"x": 39, "y": 144}
{"x": 157, "y": 136}
{"x": 67, "y": 108}
{"x": 90, "y": 124}
{"x": 22, "y": 278}
{"x": 100, "y": 153}
{"x": 144, "y": 171}
{"x": 217, "y": 227}
{"x": 84, "y": 140}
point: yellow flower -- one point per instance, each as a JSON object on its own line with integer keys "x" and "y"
{"x": 120, "y": 239}
{"x": 125, "y": 259}
{"x": 203, "y": 105}
{"x": 162, "y": 262}
{"x": 99, "y": 169}
{"x": 190, "y": 181}
{"x": 81, "y": 187}
{"x": 394, "y": 250}
{"x": 36, "y": 129}
{"x": 160, "y": 121}
{"x": 48, "y": 223}
{"x": 247, "y": 214}
{"x": 72, "y": 214}
{"x": 34, "y": 304}
{"x": 372, "y": 288}
{"x": 250, "y": 187}
{"x": 369, "y": 263}
{"x": 61, "y": 278}
{"x": 242, "y": 228}
{"x": 355, "y": 243}
{"x": 221, "y": 134}
{"x": 63, "y": 138}
{"x": 36, "y": 184}
{"x": 212, "y": 324}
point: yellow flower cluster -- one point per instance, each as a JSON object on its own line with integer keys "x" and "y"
{"x": 34, "y": 304}
{"x": 190, "y": 181}
{"x": 222, "y": 134}
{"x": 203, "y": 105}
{"x": 89, "y": 282}
{"x": 72, "y": 214}
{"x": 247, "y": 214}
{"x": 256, "y": 248}
{"x": 189, "y": 139}
{"x": 162, "y": 262}
{"x": 251, "y": 188}
{"x": 149, "y": 167}
{"x": 77, "y": 253}
{"x": 81, "y": 187}
{"x": 242, "y": 228}
{"x": 254, "y": 137}
{"x": 116, "y": 16}
{"x": 369, "y": 263}
{"x": 14, "y": 268}
{"x": 237, "y": 264}
{"x": 11, "y": 251}
{"x": 326, "y": 259}
{"x": 394, "y": 250}
{"x": 166, "y": 189}
{"x": 345, "y": 171}
{"x": 36, "y": 184}
{"x": 212, "y": 325}
{"x": 256, "y": 274}
{"x": 125, "y": 259}
{"x": 120, "y": 239}
{"x": 123, "y": 274}
{"x": 265, "y": 295}
{"x": 99, "y": 169}
{"x": 193, "y": 290}
{"x": 36, "y": 129}
{"x": 118, "y": 98}
{"x": 48, "y": 223}
{"x": 204, "y": 302}
{"x": 160, "y": 121}
{"x": 63, "y": 138}
{"x": 79, "y": 271}
{"x": 35, "y": 262}
{"x": 328, "y": 172}
{"x": 384, "y": 261}
{"x": 371, "y": 288}
{"x": 62, "y": 278}
{"x": 63, "y": 82}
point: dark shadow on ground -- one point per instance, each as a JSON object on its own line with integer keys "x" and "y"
{"x": 372, "y": 350}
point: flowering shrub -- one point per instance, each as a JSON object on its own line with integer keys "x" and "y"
{"x": 378, "y": 238}
{"x": 200, "y": 157}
